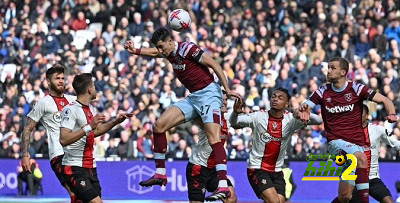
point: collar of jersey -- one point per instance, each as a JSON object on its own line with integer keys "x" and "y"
{"x": 83, "y": 105}
{"x": 56, "y": 96}
{"x": 340, "y": 89}
{"x": 175, "y": 48}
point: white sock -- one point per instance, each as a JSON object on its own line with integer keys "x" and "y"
{"x": 223, "y": 183}
{"x": 160, "y": 171}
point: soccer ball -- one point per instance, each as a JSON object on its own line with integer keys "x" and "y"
{"x": 179, "y": 20}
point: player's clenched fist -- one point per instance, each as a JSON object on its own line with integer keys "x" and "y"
{"x": 238, "y": 106}
{"x": 129, "y": 47}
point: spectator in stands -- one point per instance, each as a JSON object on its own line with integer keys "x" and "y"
{"x": 5, "y": 149}
{"x": 15, "y": 151}
{"x": 180, "y": 152}
{"x": 125, "y": 146}
{"x": 39, "y": 146}
{"x": 79, "y": 23}
{"x": 112, "y": 150}
{"x": 145, "y": 146}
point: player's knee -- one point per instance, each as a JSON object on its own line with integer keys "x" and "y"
{"x": 158, "y": 127}
{"x": 270, "y": 199}
{"x": 344, "y": 196}
{"x": 387, "y": 199}
{"x": 361, "y": 160}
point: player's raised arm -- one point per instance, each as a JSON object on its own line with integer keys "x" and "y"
{"x": 206, "y": 60}
{"x": 390, "y": 110}
{"x": 104, "y": 127}
{"x": 238, "y": 118}
{"x": 152, "y": 52}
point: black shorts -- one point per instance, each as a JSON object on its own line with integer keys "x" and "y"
{"x": 58, "y": 169}
{"x": 199, "y": 179}
{"x": 261, "y": 180}
{"x": 377, "y": 190}
{"x": 83, "y": 182}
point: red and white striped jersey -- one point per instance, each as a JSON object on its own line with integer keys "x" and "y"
{"x": 202, "y": 152}
{"x": 47, "y": 110}
{"x": 185, "y": 60}
{"x": 270, "y": 137}
{"x": 374, "y": 134}
{"x": 80, "y": 153}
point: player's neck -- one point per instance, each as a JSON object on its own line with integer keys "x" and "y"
{"x": 84, "y": 99}
{"x": 340, "y": 83}
{"x": 275, "y": 113}
{"x": 365, "y": 124}
{"x": 55, "y": 94}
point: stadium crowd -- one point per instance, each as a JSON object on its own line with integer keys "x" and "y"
{"x": 260, "y": 45}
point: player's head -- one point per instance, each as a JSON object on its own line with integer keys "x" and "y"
{"x": 365, "y": 113}
{"x": 83, "y": 84}
{"x": 55, "y": 78}
{"x": 280, "y": 99}
{"x": 162, "y": 39}
{"x": 224, "y": 107}
{"x": 337, "y": 68}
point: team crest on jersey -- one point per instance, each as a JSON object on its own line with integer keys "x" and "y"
{"x": 263, "y": 181}
{"x": 348, "y": 97}
{"x": 57, "y": 117}
{"x": 328, "y": 99}
{"x": 83, "y": 183}
{"x": 178, "y": 60}
{"x": 274, "y": 125}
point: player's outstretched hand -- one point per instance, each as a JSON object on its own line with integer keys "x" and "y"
{"x": 26, "y": 164}
{"x": 303, "y": 107}
{"x": 99, "y": 118}
{"x": 238, "y": 106}
{"x": 129, "y": 47}
{"x": 391, "y": 118}
{"x": 122, "y": 117}
{"x": 233, "y": 94}
{"x": 304, "y": 116}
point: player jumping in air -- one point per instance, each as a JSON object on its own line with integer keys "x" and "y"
{"x": 47, "y": 110}
{"x": 271, "y": 133}
{"x": 79, "y": 127}
{"x": 341, "y": 104}
{"x": 201, "y": 174}
{"x": 374, "y": 134}
{"x": 190, "y": 65}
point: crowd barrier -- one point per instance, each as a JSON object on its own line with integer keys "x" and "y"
{"x": 119, "y": 180}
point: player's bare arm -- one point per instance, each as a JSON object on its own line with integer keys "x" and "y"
{"x": 206, "y": 60}
{"x": 390, "y": 110}
{"x": 304, "y": 112}
{"x": 26, "y": 137}
{"x": 237, "y": 109}
{"x": 67, "y": 136}
{"x": 152, "y": 52}
{"x": 104, "y": 127}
